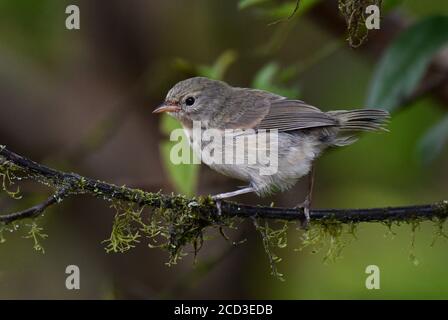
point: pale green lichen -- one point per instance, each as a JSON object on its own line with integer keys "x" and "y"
{"x": 390, "y": 233}
{"x": 272, "y": 239}
{"x": 124, "y": 235}
{"x": 36, "y": 234}
{"x": 2, "y": 233}
{"x": 7, "y": 177}
{"x": 172, "y": 226}
{"x": 330, "y": 236}
{"x": 439, "y": 232}
{"x": 5, "y": 228}
{"x": 415, "y": 224}
{"x": 354, "y": 13}
{"x": 442, "y": 208}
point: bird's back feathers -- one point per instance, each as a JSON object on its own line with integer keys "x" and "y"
{"x": 257, "y": 109}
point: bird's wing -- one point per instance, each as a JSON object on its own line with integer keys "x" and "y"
{"x": 263, "y": 110}
{"x": 290, "y": 115}
{"x": 244, "y": 109}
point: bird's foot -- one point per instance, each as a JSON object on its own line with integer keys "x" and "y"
{"x": 219, "y": 197}
{"x": 192, "y": 204}
{"x": 305, "y": 206}
{"x": 217, "y": 200}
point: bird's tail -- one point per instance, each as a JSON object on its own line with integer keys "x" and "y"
{"x": 358, "y": 120}
{"x": 362, "y": 119}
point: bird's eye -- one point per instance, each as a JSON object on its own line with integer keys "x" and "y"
{"x": 189, "y": 101}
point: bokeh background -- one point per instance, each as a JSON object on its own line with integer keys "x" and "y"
{"x": 81, "y": 101}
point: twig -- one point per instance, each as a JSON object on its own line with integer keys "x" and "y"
{"x": 73, "y": 184}
{"x": 35, "y": 210}
{"x": 291, "y": 15}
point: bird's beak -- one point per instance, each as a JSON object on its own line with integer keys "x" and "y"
{"x": 166, "y": 107}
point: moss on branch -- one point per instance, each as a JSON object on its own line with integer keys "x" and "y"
{"x": 174, "y": 222}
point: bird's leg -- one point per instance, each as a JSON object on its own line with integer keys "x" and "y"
{"x": 226, "y": 195}
{"x": 306, "y": 204}
{"x": 233, "y": 193}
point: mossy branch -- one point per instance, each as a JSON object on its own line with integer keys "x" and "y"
{"x": 71, "y": 184}
{"x": 176, "y": 221}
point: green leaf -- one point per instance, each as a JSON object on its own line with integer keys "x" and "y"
{"x": 220, "y": 67}
{"x": 243, "y": 4}
{"x": 270, "y": 78}
{"x": 282, "y": 11}
{"x": 168, "y": 124}
{"x": 286, "y": 10}
{"x": 264, "y": 77}
{"x": 433, "y": 142}
{"x": 405, "y": 61}
{"x": 184, "y": 177}
{"x": 184, "y": 66}
{"x": 217, "y": 70}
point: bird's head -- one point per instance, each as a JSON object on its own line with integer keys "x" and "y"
{"x": 195, "y": 99}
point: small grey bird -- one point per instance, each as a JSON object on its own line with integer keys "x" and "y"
{"x": 303, "y": 131}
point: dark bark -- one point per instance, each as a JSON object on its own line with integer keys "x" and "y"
{"x": 72, "y": 184}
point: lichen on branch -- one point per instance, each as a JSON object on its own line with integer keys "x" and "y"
{"x": 354, "y": 13}
{"x": 174, "y": 222}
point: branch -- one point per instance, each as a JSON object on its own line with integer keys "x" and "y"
{"x": 73, "y": 184}
{"x": 35, "y": 210}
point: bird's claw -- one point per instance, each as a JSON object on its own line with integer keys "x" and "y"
{"x": 193, "y": 204}
{"x": 218, "y": 206}
{"x": 305, "y": 206}
{"x": 217, "y": 199}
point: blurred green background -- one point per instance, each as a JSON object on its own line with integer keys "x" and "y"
{"x": 81, "y": 101}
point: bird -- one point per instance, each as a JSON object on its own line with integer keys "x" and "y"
{"x": 302, "y": 132}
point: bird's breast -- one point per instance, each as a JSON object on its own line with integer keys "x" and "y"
{"x": 275, "y": 163}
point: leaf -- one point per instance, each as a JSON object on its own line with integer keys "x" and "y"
{"x": 217, "y": 70}
{"x": 243, "y": 4}
{"x": 268, "y": 78}
{"x": 168, "y": 124}
{"x": 184, "y": 177}
{"x": 291, "y": 7}
{"x": 433, "y": 142}
{"x": 184, "y": 66}
{"x": 264, "y": 77}
{"x": 405, "y": 61}
{"x": 220, "y": 67}
{"x": 289, "y": 10}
